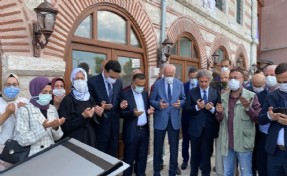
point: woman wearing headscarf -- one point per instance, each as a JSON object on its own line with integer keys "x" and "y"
{"x": 59, "y": 92}
{"x": 79, "y": 109}
{"x": 9, "y": 104}
{"x": 38, "y": 123}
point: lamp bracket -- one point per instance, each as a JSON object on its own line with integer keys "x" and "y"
{"x": 37, "y": 43}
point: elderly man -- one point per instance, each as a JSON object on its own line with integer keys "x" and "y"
{"x": 276, "y": 137}
{"x": 258, "y": 84}
{"x": 237, "y": 115}
{"x": 203, "y": 127}
{"x": 271, "y": 81}
{"x": 167, "y": 97}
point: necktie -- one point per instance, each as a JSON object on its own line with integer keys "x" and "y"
{"x": 169, "y": 92}
{"x": 204, "y": 96}
{"x": 110, "y": 90}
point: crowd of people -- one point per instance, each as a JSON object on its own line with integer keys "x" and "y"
{"x": 244, "y": 118}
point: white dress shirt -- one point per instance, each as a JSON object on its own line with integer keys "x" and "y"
{"x": 142, "y": 119}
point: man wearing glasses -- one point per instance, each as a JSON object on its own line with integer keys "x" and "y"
{"x": 237, "y": 114}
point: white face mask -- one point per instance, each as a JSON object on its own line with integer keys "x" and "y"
{"x": 271, "y": 81}
{"x": 111, "y": 80}
{"x": 224, "y": 69}
{"x": 59, "y": 92}
{"x": 80, "y": 85}
{"x": 283, "y": 87}
{"x": 138, "y": 89}
{"x": 169, "y": 79}
{"x": 258, "y": 89}
{"x": 234, "y": 84}
{"x": 193, "y": 81}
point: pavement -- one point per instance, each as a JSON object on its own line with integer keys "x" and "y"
{"x": 164, "y": 172}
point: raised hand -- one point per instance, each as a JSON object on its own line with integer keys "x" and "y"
{"x": 150, "y": 111}
{"x": 124, "y": 104}
{"x": 219, "y": 107}
{"x": 209, "y": 106}
{"x": 176, "y": 104}
{"x": 163, "y": 104}
{"x": 200, "y": 104}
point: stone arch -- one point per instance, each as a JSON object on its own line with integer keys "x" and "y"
{"x": 242, "y": 51}
{"x": 220, "y": 42}
{"x": 70, "y": 10}
{"x": 187, "y": 25}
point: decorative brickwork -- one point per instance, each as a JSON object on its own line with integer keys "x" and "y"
{"x": 221, "y": 42}
{"x": 187, "y": 25}
{"x": 242, "y": 51}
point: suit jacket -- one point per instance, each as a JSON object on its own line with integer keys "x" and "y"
{"x": 202, "y": 118}
{"x": 98, "y": 91}
{"x": 185, "y": 114}
{"x": 261, "y": 96}
{"x": 161, "y": 116}
{"x": 130, "y": 121}
{"x": 276, "y": 100}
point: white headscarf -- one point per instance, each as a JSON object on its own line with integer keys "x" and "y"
{"x": 84, "y": 96}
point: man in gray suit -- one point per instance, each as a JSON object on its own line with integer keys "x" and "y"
{"x": 167, "y": 97}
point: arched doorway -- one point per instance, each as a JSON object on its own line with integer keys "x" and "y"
{"x": 184, "y": 55}
{"x": 104, "y": 33}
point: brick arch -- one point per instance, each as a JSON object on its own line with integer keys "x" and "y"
{"x": 220, "y": 41}
{"x": 187, "y": 25}
{"x": 241, "y": 50}
{"x": 70, "y": 10}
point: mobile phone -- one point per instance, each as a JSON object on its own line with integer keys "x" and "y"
{"x": 280, "y": 110}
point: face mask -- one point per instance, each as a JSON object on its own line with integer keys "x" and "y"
{"x": 234, "y": 84}
{"x": 111, "y": 80}
{"x": 169, "y": 79}
{"x": 283, "y": 87}
{"x": 11, "y": 92}
{"x": 258, "y": 89}
{"x": 138, "y": 89}
{"x": 271, "y": 81}
{"x": 59, "y": 92}
{"x": 80, "y": 85}
{"x": 193, "y": 81}
{"x": 44, "y": 99}
{"x": 224, "y": 69}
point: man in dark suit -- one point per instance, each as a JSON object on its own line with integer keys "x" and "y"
{"x": 190, "y": 84}
{"x": 203, "y": 127}
{"x": 105, "y": 88}
{"x": 136, "y": 125}
{"x": 167, "y": 97}
{"x": 276, "y": 140}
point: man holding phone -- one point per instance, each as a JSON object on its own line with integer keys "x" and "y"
{"x": 203, "y": 127}
{"x": 167, "y": 97}
{"x": 136, "y": 125}
{"x": 276, "y": 137}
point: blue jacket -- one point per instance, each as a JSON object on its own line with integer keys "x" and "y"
{"x": 161, "y": 116}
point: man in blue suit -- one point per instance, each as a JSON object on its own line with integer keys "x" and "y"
{"x": 276, "y": 140}
{"x": 203, "y": 126}
{"x": 136, "y": 125}
{"x": 167, "y": 98}
{"x": 190, "y": 84}
{"x": 106, "y": 88}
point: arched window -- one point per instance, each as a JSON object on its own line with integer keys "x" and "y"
{"x": 106, "y": 33}
{"x": 240, "y": 61}
{"x": 218, "y": 56}
{"x": 184, "y": 55}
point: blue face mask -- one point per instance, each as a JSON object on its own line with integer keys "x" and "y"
{"x": 11, "y": 92}
{"x": 44, "y": 99}
{"x": 139, "y": 89}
